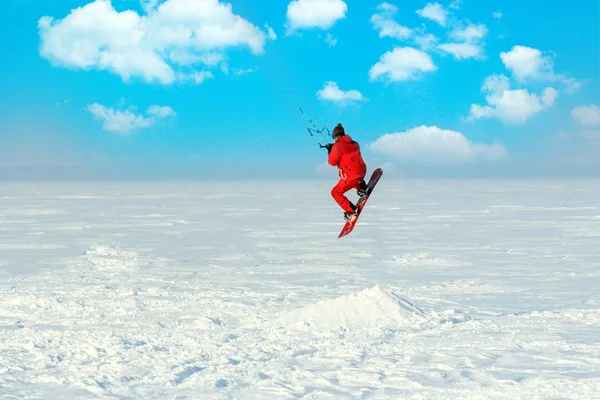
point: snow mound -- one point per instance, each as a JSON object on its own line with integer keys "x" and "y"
{"x": 373, "y": 309}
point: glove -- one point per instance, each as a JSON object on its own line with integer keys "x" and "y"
{"x": 328, "y": 146}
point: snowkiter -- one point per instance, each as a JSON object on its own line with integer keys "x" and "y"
{"x": 344, "y": 153}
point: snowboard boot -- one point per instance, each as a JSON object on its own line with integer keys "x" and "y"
{"x": 349, "y": 215}
{"x": 364, "y": 190}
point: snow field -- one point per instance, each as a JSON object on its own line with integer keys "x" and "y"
{"x": 449, "y": 289}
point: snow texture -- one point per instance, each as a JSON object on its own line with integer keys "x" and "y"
{"x": 445, "y": 290}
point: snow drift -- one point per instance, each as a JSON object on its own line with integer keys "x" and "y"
{"x": 373, "y": 309}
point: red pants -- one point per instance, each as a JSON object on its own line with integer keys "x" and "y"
{"x": 342, "y": 187}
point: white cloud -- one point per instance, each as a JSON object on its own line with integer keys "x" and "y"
{"x": 149, "y": 5}
{"x": 516, "y": 106}
{"x": 434, "y": 12}
{"x": 271, "y": 33}
{"x": 466, "y": 38}
{"x": 306, "y": 14}
{"x": 549, "y": 96}
{"x": 588, "y": 115}
{"x": 470, "y": 33}
{"x": 527, "y": 63}
{"x": 496, "y": 83}
{"x": 332, "y": 92}
{"x": 511, "y": 106}
{"x": 456, "y": 4}
{"x": 383, "y": 21}
{"x": 462, "y": 51}
{"x": 470, "y": 41}
{"x": 402, "y": 63}
{"x": 426, "y": 41}
{"x": 435, "y": 146}
{"x": 497, "y": 14}
{"x": 125, "y": 121}
{"x": 160, "y": 111}
{"x": 154, "y": 47}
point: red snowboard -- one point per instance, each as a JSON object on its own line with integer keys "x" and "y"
{"x": 361, "y": 203}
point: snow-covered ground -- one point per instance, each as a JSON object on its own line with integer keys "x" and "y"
{"x": 445, "y": 290}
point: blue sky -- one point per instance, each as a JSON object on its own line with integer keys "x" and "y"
{"x": 200, "y": 88}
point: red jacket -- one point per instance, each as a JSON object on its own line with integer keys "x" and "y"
{"x": 345, "y": 154}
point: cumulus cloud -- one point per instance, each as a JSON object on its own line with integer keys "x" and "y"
{"x": 511, "y": 106}
{"x": 149, "y": 5}
{"x": 306, "y": 14}
{"x": 402, "y": 63}
{"x": 526, "y": 64}
{"x": 160, "y": 111}
{"x": 331, "y": 92}
{"x": 383, "y": 21}
{"x": 434, "y": 12}
{"x": 154, "y": 47}
{"x": 468, "y": 41}
{"x": 462, "y": 51}
{"x": 426, "y": 41}
{"x": 465, "y": 39}
{"x": 469, "y": 33}
{"x": 435, "y": 146}
{"x": 516, "y": 106}
{"x": 497, "y": 14}
{"x": 125, "y": 121}
{"x": 588, "y": 115}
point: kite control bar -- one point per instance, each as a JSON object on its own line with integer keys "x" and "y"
{"x": 328, "y": 146}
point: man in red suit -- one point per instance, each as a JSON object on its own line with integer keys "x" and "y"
{"x": 345, "y": 154}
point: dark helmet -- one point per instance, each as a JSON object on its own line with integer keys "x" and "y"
{"x": 338, "y": 131}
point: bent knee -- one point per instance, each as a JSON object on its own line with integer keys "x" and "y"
{"x": 337, "y": 191}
